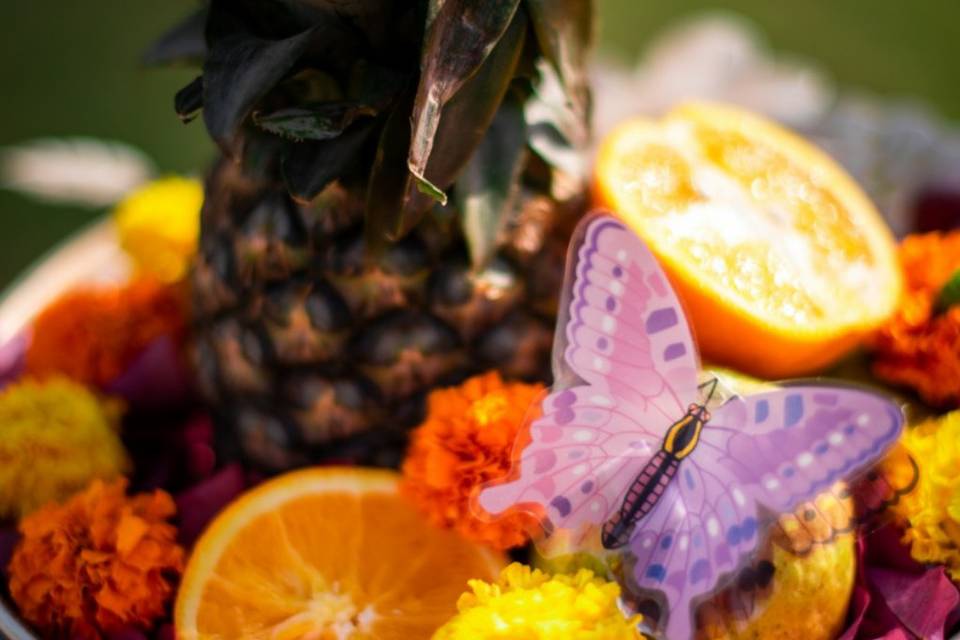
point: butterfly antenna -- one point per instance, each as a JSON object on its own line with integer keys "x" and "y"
{"x": 713, "y": 387}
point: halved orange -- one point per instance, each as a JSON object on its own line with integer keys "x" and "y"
{"x": 325, "y": 553}
{"x": 782, "y": 261}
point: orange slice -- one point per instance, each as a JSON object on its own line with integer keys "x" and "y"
{"x": 782, "y": 261}
{"x": 329, "y": 553}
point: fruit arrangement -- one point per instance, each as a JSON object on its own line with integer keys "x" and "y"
{"x": 276, "y": 417}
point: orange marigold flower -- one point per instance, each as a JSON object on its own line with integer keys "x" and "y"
{"x": 467, "y": 441}
{"x": 920, "y": 346}
{"x": 98, "y": 563}
{"x": 93, "y": 335}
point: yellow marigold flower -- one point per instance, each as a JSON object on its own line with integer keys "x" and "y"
{"x": 159, "y": 225}
{"x": 55, "y": 437}
{"x": 528, "y": 604}
{"x": 930, "y": 514}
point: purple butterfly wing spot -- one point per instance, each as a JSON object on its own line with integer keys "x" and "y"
{"x": 661, "y": 319}
{"x": 673, "y": 351}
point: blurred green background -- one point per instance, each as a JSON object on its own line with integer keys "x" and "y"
{"x": 70, "y": 68}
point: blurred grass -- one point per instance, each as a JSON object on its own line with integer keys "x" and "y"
{"x": 70, "y": 68}
{"x": 893, "y": 47}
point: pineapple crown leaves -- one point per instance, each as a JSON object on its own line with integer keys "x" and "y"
{"x": 183, "y": 44}
{"x": 459, "y": 39}
{"x": 398, "y": 98}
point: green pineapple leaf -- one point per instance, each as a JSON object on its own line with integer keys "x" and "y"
{"x": 310, "y": 166}
{"x": 389, "y": 183}
{"x": 476, "y": 103}
{"x": 564, "y": 30}
{"x": 949, "y": 294}
{"x": 397, "y": 203}
{"x": 313, "y": 122}
{"x": 555, "y": 133}
{"x": 240, "y": 74}
{"x": 243, "y": 64}
{"x": 486, "y": 190}
{"x": 189, "y": 101}
{"x": 433, "y": 8}
{"x": 427, "y": 188}
{"x": 461, "y": 35}
{"x": 184, "y": 43}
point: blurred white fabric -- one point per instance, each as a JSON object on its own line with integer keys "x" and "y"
{"x": 78, "y": 171}
{"x": 715, "y": 56}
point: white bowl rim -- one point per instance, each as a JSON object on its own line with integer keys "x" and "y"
{"x": 91, "y": 255}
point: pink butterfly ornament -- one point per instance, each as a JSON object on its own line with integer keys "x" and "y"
{"x": 636, "y": 454}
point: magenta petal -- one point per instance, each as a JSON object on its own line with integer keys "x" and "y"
{"x": 937, "y": 208}
{"x": 13, "y": 358}
{"x": 197, "y": 441}
{"x": 156, "y": 379}
{"x": 201, "y": 460}
{"x": 861, "y": 598}
{"x": 885, "y": 548}
{"x": 199, "y": 429}
{"x": 859, "y": 605}
{"x": 198, "y": 505}
{"x": 891, "y": 593}
{"x": 8, "y": 542}
{"x": 921, "y": 602}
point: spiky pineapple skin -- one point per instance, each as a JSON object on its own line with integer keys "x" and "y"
{"x": 311, "y": 349}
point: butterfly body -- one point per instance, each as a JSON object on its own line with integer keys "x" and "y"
{"x": 626, "y": 448}
{"x": 652, "y": 481}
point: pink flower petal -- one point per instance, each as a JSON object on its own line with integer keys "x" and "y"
{"x": 9, "y": 537}
{"x": 201, "y": 460}
{"x": 859, "y": 605}
{"x": 13, "y": 358}
{"x": 157, "y": 379}
{"x": 894, "y": 597}
{"x": 922, "y": 602}
{"x": 885, "y": 548}
{"x": 198, "y": 505}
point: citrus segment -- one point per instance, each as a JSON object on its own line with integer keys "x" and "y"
{"x": 782, "y": 261}
{"x": 325, "y": 553}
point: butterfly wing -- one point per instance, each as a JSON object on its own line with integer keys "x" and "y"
{"x": 624, "y": 334}
{"x": 700, "y": 532}
{"x": 625, "y": 330}
{"x": 810, "y": 439}
{"x": 790, "y": 444}
{"x": 775, "y": 451}
{"x": 583, "y": 454}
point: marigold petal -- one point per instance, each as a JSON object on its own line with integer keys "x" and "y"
{"x": 96, "y": 563}
{"x": 919, "y": 347}
{"x": 929, "y": 514}
{"x": 466, "y": 442}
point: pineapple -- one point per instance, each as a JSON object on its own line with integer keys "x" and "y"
{"x": 398, "y": 182}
